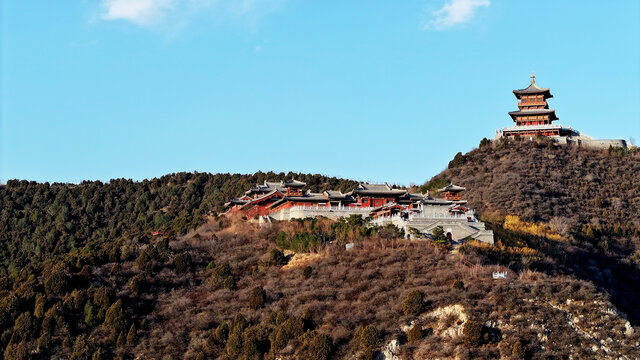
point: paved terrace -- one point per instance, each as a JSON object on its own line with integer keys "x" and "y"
{"x": 460, "y": 226}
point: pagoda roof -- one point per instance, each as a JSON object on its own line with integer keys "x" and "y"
{"x": 550, "y": 112}
{"x": 307, "y": 197}
{"x": 274, "y": 192}
{"x": 452, "y": 188}
{"x": 334, "y": 194}
{"x": 411, "y": 197}
{"x": 377, "y": 189}
{"x": 532, "y": 89}
{"x": 268, "y": 186}
{"x": 415, "y": 196}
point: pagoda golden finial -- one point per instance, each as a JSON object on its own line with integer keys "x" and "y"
{"x": 533, "y": 78}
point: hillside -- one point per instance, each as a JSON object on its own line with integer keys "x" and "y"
{"x": 590, "y": 198}
{"x": 83, "y": 278}
{"x": 226, "y": 291}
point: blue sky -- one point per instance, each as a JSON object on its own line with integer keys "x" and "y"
{"x": 370, "y": 90}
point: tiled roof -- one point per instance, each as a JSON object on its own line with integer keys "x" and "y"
{"x": 267, "y": 187}
{"x": 532, "y": 89}
{"x": 365, "y": 189}
{"x": 263, "y": 196}
{"x": 452, "y": 187}
{"x": 334, "y": 194}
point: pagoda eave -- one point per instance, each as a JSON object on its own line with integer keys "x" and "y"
{"x": 550, "y": 112}
{"x": 520, "y": 93}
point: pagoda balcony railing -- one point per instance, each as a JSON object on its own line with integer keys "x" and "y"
{"x": 534, "y": 127}
{"x": 538, "y": 103}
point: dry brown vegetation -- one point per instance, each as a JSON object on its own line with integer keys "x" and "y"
{"x": 364, "y": 286}
{"x": 588, "y": 198}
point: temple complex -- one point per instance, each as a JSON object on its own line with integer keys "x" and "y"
{"x": 381, "y": 203}
{"x": 535, "y": 118}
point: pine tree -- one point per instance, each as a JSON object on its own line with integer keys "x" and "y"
{"x": 413, "y": 303}
{"x": 182, "y": 262}
{"x": 257, "y": 298}
{"x": 131, "y": 335}
{"x": 38, "y": 312}
{"x": 115, "y": 320}
{"x": 121, "y": 340}
{"x": 89, "y": 314}
{"x": 25, "y": 326}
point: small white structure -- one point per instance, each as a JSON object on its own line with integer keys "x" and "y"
{"x": 499, "y": 274}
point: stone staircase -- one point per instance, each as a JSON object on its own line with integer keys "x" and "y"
{"x": 458, "y": 228}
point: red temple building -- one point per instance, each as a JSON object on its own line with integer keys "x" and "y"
{"x": 533, "y": 116}
{"x": 365, "y": 199}
{"x": 453, "y": 193}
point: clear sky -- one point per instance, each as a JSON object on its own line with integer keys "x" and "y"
{"x": 369, "y": 90}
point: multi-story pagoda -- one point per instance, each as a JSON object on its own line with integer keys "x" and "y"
{"x": 533, "y": 116}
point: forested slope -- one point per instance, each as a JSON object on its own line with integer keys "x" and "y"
{"x": 40, "y": 220}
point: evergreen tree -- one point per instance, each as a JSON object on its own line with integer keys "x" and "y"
{"x": 89, "y": 314}
{"x": 115, "y": 320}
{"x": 25, "y": 326}
{"x": 413, "y": 303}
{"x": 138, "y": 284}
{"x": 131, "y": 335}
{"x": 182, "y": 262}
{"x": 257, "y": 298}
{"x": 38, "y": 311}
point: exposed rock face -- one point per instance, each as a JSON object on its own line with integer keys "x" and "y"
{"x": 446, "y": 321}
{"x": 628, "y": 330}
{"x": 390, "y": 351}
{"x": 446, "y": 328}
